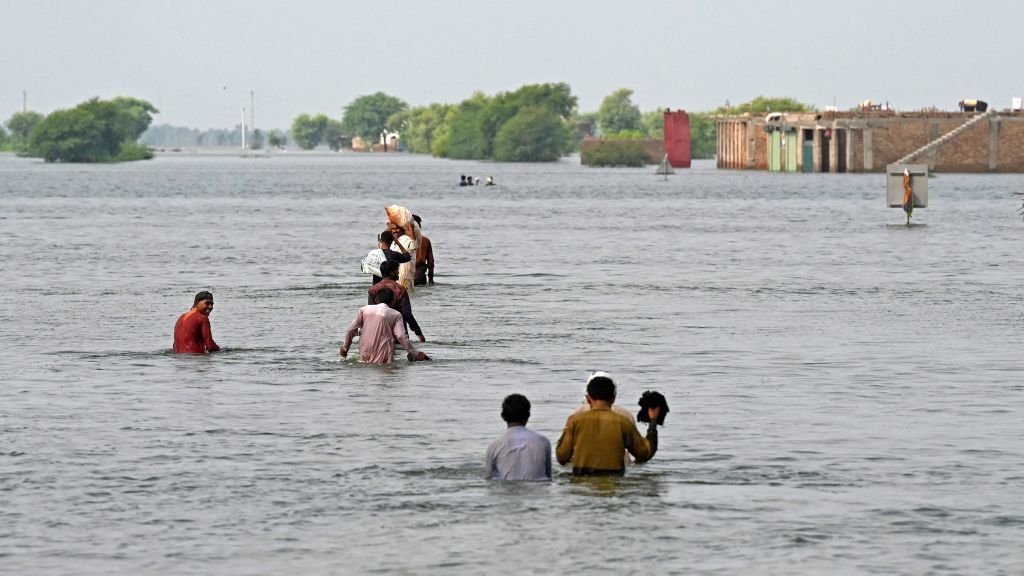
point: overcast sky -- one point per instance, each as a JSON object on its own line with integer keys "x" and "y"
{"x": 198, "y": 60}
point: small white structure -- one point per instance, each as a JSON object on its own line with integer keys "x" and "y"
{"x": 390, "y": 139}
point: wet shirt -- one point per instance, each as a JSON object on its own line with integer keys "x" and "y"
{"x": 518, "y": 454}
{"x": 381, "y": 326}
{"x": 594, "y": 441}
{"x": 193, "y": 335}
{"x": 400, "y": 303}
{"x": 626, "y": 461}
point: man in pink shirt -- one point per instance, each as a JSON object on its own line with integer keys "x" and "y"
{"x": 192, "y": 332}
{"x": 381, "y": 326}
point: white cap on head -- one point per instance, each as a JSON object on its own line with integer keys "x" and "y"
{"x": 599, "y": 374}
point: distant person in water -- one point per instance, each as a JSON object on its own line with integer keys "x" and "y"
{"x": 192, "y": 332}
{"x": 462, "y": 181}
{"x": 381, "y": 327}
{"x": 519, "y": 453}
{"x": 490, "y": 181}
{"x": 384, "y": 241}
{"x": 424, "y": 259}
{"x": 400, "y": 298}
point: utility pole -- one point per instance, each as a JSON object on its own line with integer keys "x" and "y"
{"x": 252, "y": 112}
{"x": 243, "y": 127}
{"x": 24, "y": 101}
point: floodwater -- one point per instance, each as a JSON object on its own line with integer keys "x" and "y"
{"x": 846, "y": 391}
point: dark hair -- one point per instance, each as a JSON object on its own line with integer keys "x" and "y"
{"x": 202, "y": 295}
{"x": 417, "y": 219}
{"x": 386, "y": 236}
{"x": 385, "y": 296}
{"x": 387, "y": 267}
{"x": 515, "y": 408}
{"x": 601, "y": 388}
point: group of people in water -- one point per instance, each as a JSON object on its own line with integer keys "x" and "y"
{"x": 471, "y": 181}
{"x": 405, "y": 258}
{"x": 598, "y": 439}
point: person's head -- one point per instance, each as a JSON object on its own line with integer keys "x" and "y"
{"x": 385, "y": 296}
{"x": 462, "y": 177}
{"x": 515, "y": 409}
{"x": 600, "y": 386}
{"x": 389, "y": 269}
{"x": 203, "y": 302}
{"x": 385, "y": 238}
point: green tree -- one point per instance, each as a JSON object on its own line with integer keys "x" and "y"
{"x": 367, "y": 116}
{"x": 138, "y": 113}
{"x": 703, "y": 136}
{"x": 3, "y": 137}
{"x": 763, "y": 105}
{"x": 335, "y": 136}
{"x": 465, "y": 138}
{"x": 556, "y": 98}
{"x": 275, "y": 140}
{"x": 21, "y": 125}
{"x": 618, "y": 113}
{"x": 420, "y": 127}
{"x": 532, "y": 135}
{"x": 654, "y": 123}
{"x": 94, "y": 131}
{"x": 257, "y": 140}
{"x": 474, "y": 127}
{"x": 308, "y": 131}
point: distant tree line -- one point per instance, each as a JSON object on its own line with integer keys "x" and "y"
{"x": 167, "y": 136}
{"x": 534, "y": 123}
{"x": 531, "y": 124}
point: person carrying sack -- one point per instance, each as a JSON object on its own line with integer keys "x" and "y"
{"x": 371, "y": 263}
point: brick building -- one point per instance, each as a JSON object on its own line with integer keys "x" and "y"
{"x": 866, "y": 141}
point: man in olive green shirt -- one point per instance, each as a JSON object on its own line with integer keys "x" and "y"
{"x": 595, "y": 440}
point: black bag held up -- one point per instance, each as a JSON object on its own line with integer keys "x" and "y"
{"x": 651, "y": 399}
